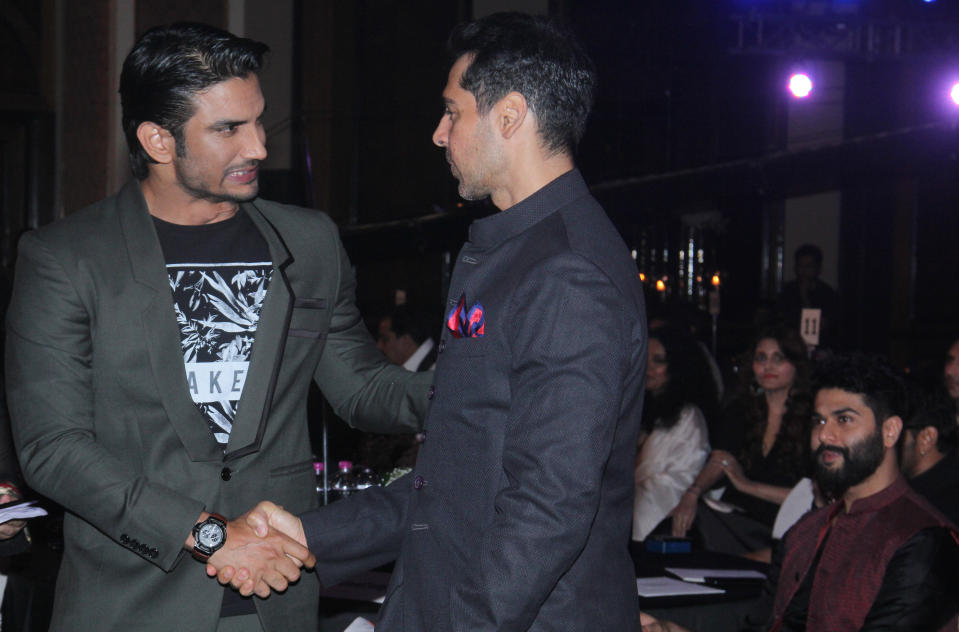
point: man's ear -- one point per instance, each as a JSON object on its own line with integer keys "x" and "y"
{"x": 927, "y": 438}
{"x": 157, "y": 142}
{"x": 510, "y": 111}
{"x": 891, "y": 429}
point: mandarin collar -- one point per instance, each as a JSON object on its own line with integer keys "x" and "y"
{"x": 879, "y": 499}
{"x": 495, "y": 229}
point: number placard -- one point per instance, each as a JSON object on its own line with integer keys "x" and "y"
{"x": 809, "y": 324}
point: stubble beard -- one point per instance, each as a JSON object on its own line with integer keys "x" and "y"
{"x": 197, "y": 189}
{"x": 488, "y": 161}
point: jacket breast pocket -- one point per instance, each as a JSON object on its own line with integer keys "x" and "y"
{"x": 309, "y": 318}
{"x": 468, "y": 347}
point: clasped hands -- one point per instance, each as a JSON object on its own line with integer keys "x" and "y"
{"x": 265, "y": 549}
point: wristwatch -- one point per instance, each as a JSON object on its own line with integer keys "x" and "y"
{"x": 208, "y": 536}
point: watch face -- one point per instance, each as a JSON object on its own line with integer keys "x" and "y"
{"x": 210, "y": 535}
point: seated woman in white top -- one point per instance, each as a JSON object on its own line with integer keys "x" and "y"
{"x": 674, "y": 442}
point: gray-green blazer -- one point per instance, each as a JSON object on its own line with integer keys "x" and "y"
{"x": 104, "y": 423}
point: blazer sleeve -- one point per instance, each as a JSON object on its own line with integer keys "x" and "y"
{"x": 358, "y": 533}
{"x": 363, "y": 388}
{"x": 50, "y": 392}
{"x": 570, "y": 343}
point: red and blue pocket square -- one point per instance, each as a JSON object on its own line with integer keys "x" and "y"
{"x": 466, "y": 323}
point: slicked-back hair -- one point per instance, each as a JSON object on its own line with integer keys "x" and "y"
{"x": 168, "y": 66}
{"x": 882, "y": 387}
{"x": 536, "y": 58}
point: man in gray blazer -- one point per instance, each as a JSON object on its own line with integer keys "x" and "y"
{"x": 160, "y": 346}
{"x": 517, "y": 514}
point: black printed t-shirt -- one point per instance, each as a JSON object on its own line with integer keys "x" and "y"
{"x": 219, "y": 274}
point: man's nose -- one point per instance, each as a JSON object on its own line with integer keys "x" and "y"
{"x": 255, "y": 148}
{"x": 826, "y": 432}
{"x": 441, "y": 133}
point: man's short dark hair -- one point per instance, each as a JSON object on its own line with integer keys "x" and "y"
{"x": 537, "y": 58}
{"x": 938, "y": 411}
{"x": 881, "y": 386}
{"x": 809, "y": 250}
{"x": 407, "y": 320}
{"x": 167, "y": 67}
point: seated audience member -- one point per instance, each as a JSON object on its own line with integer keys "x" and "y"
{"x": 760, "y": 446}
{"x": 809, "y": 291}
{"x": 674, "y": 440}
{"x": 950, "y": 376}
{"x": 928, "y": 456}
{"x": 404, "y": 337}
{"x": 879, "y": 557}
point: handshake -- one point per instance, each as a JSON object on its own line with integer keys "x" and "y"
{"x": 264, "y": 550}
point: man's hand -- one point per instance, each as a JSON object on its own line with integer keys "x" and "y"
{"x": 268, "y": 559}
{"x": 11, "y": 527}
{"x": 266, "y": 515}
{"x": 266, "y": 521}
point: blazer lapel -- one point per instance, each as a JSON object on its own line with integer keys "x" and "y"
{"x": 249, "y": 424}
{"x": 160, "y": 330}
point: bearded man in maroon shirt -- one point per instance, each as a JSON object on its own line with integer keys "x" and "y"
{"x": 879, "y": 556}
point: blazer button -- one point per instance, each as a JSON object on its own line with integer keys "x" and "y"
{"x": 442, "y": 347}
{"x": 418, "y": 482}
{"x": 430, "y": 393}
{"x": 226, "y": 474}
{"x": 421, "y": 436}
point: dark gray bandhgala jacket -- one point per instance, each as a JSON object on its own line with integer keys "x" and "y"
{"x": 517, "y": 515}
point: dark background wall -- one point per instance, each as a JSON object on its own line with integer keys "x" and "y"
{"x": 688, "y": 123}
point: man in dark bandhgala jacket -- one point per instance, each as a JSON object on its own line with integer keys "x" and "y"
{"x": 517, "y": 515}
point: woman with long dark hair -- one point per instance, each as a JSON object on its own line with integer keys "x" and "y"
{"x": 761, "y": 447}
{"x": 674, "y": 443}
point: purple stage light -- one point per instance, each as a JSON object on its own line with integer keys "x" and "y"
{"x": 954, "y": 93}
{"x": 800, "y": 85}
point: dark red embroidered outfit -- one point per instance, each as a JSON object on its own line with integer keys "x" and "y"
{"x": 865, "y": 560}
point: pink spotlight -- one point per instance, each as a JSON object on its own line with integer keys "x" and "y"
{"x": 954, "y": 93}
{"x": 800, "y": 85}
